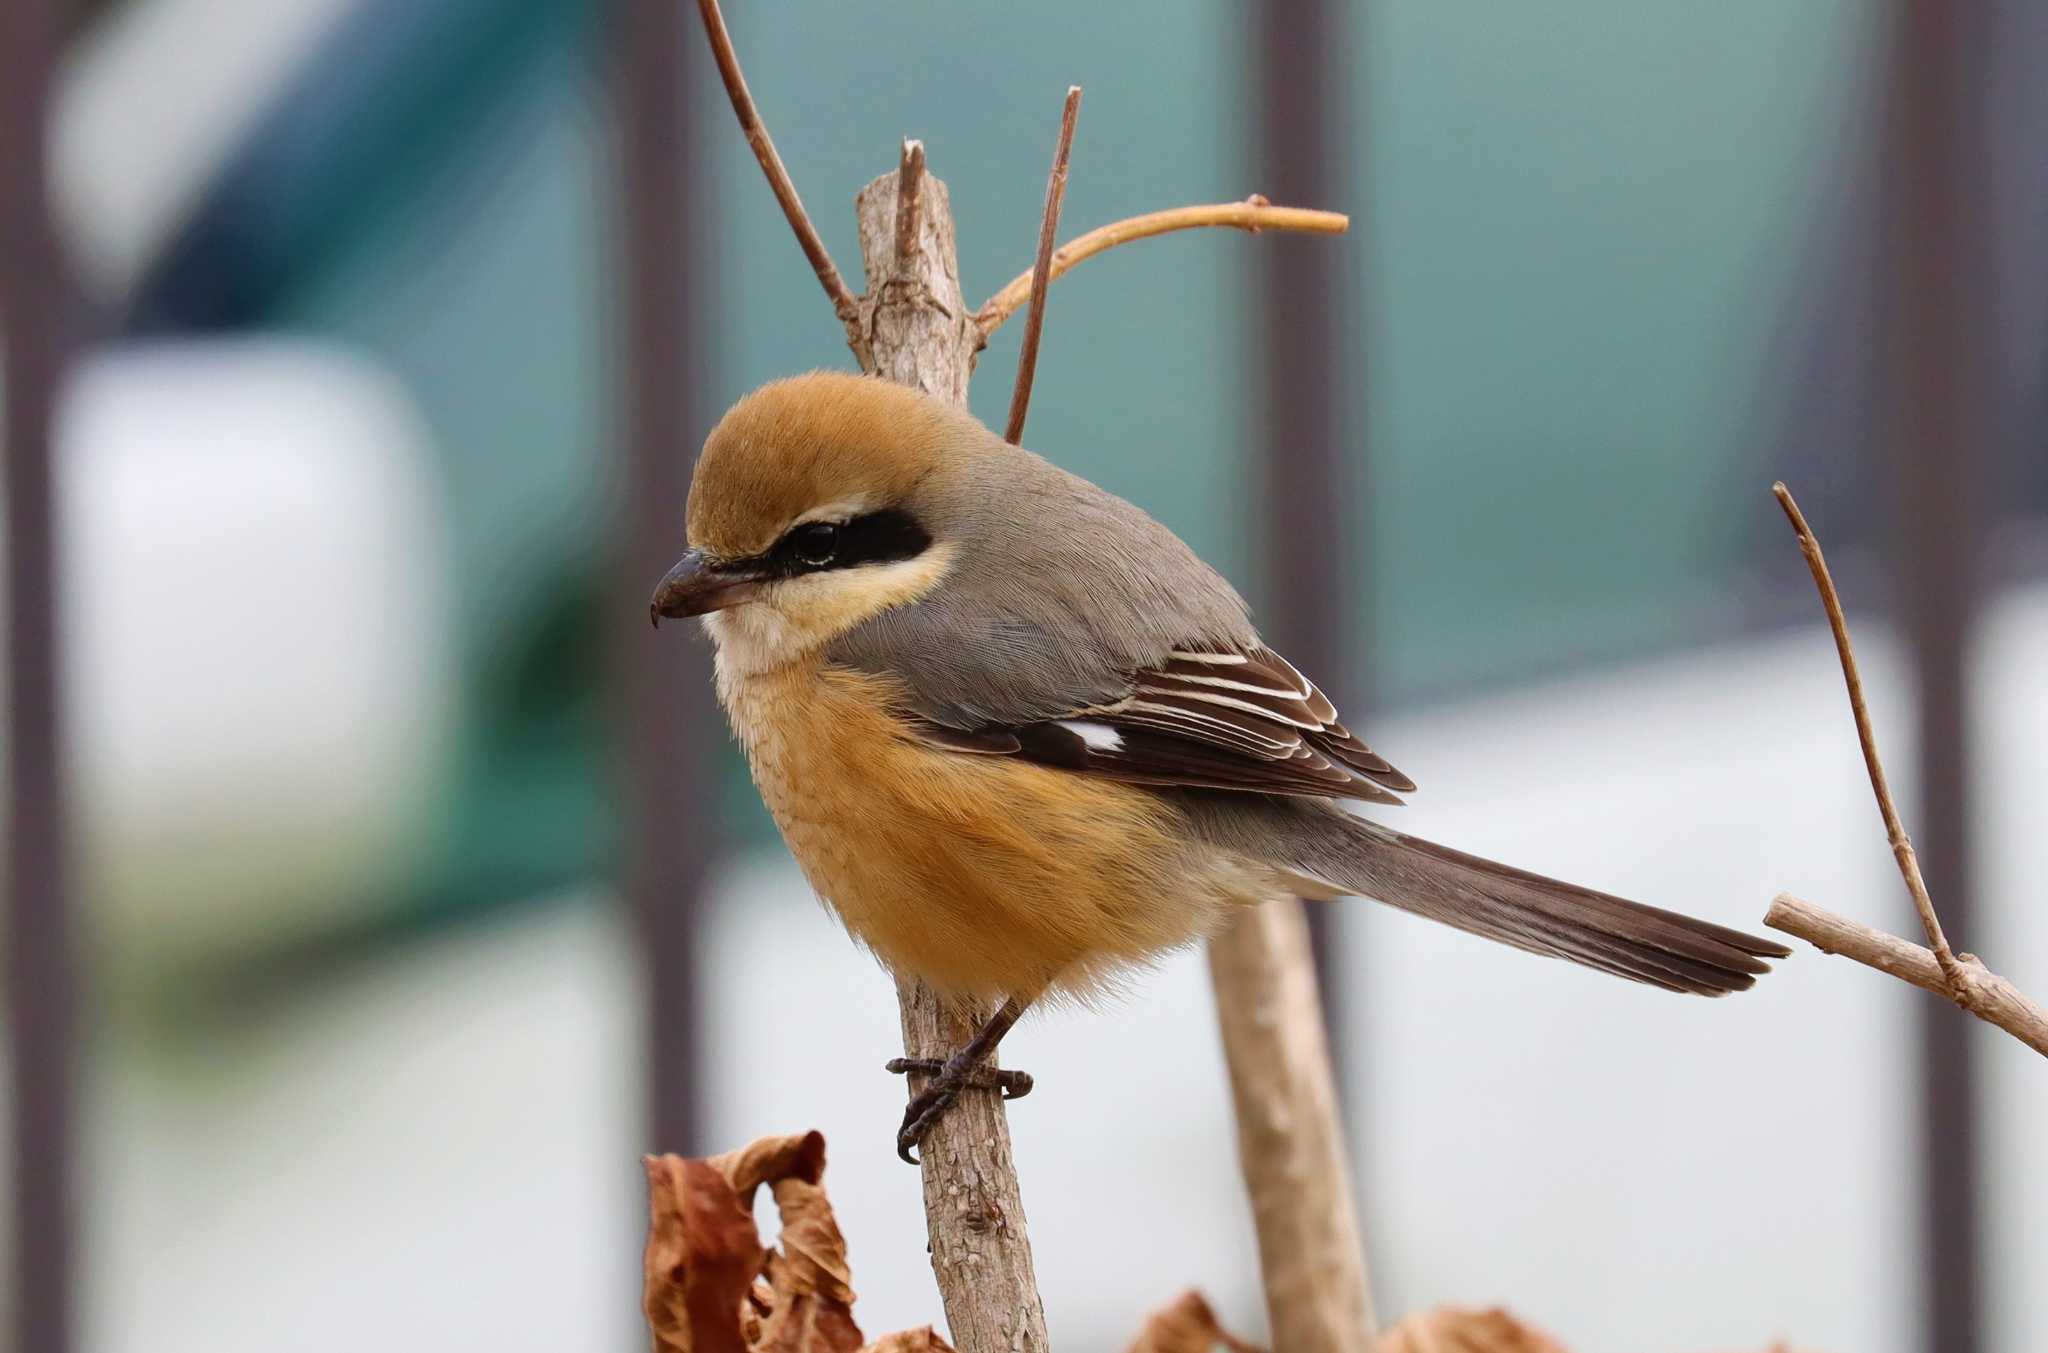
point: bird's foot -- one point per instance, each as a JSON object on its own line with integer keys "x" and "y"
{"x": 962, "y": 1071}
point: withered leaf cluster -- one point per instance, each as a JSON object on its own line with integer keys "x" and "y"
{"x": 713, "y": 1287}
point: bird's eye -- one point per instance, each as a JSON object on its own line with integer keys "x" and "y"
{"x": 816, "y": 543}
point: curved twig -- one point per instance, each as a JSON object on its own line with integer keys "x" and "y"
{"x": 1041, "y": 269}
{"x": 844, "y": 304}
{"x": 1895, "y": 830}
{"x": 1253, "y": 214}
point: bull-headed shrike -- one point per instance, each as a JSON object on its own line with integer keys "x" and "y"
{"x": 1020, "y": 738}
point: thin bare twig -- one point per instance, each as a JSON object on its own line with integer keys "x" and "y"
{"x": 1986, "y": 995}
{"x": 1253, "y": 214}
{"x": 756, "y": 131}
{"x": 909, "y": 183}
{"x": 1962, "y": 978}
{"x": 1895, "y": 830}
{"x": 1041, "y": 269}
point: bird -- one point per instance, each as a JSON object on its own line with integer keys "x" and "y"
{"x": 1022, "y": 741}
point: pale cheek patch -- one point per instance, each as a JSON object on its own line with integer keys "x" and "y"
{"x": 750, "y": 635}
{"x": 797, "y": 616}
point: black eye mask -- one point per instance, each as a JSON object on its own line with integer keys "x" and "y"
{"x": 874, "y": 538}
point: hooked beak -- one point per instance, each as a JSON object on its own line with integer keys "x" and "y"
{"x": 697, "y": 585}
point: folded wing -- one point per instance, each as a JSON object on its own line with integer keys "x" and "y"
{"x": 1205, "y": 718}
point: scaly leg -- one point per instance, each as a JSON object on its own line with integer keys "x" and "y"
{"x": 965, "y": 1068}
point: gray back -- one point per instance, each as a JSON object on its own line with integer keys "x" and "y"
{"x": 1060, "y": 591}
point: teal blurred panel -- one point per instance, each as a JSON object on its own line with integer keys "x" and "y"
{"x": 484, "y": 285}
{"x": 488, "y": 292}
{"x": 1585, "y": 226}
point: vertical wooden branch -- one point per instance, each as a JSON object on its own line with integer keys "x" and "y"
{"x": 923, "y": 334}
{"x": 1290, "y": 1139}
{"x": 913, "y": 318}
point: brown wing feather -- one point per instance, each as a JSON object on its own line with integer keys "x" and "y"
{"x": 1242, "y": 719}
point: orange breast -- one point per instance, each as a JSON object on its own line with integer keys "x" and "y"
{"x": 983, "y": 875}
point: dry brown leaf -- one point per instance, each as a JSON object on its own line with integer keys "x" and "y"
{"x": 1186, "y": 1325}
{"x": 798, "y": 1156}
{"x": 813, "y": 1288}
{"x": 923, "y": 1339}
{"x": 702, "y": 1256}
{"x": 811, "y": 1241}
{"x": 760, "y": 1300}
{"x": 1456, "y": 1329}
{"x": 712, "y": 1287}
{"x": 803, "y": 1321}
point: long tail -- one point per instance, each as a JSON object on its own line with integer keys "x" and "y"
{"x": 1327, "y": 852}
{"x": 1547, "y": 916}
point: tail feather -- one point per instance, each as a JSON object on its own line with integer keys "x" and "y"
{"x": 1543, "y": 915}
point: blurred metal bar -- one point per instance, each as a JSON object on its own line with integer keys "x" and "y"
{"x": 1308, "y": 378}
{"x": 34, "y": 321}
{"x": 1937, "y": 358}
{"x": 664, "y": 686}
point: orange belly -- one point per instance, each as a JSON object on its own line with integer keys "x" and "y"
{"x": 983, "y": 875}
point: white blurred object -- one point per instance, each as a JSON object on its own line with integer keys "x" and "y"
{"x": 436, "y": 1154}
{"x": 253, "y": 604}
{"x": 152, "y": 101}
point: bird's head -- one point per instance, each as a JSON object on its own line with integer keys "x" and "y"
{"x": 818, "y": 502}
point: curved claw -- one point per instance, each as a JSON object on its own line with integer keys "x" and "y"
{"x": 924, "y": 1109}
{"x": 946, "y": 1080}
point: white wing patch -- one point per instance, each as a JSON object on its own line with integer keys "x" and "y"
{"x": 1100, "y": 737}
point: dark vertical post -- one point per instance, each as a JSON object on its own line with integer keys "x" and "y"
{"x": 1937, "y": 356}
{"x": 665, "y": 704}
{"x": 1307, "y": 377}
{"x": 40, "y": 974}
